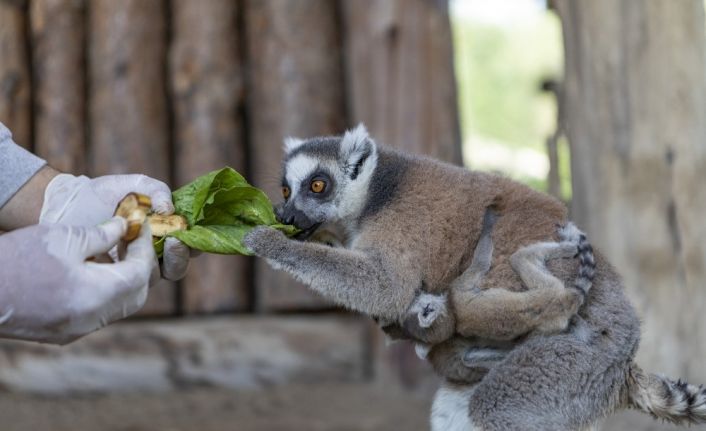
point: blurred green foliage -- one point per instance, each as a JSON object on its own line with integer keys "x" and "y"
{"x": 505, "y": 117}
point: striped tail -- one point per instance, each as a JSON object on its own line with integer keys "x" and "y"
{"x": 663, "y": 398}
{"x": 587, "y": 262}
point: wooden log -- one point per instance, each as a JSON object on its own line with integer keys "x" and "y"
{"x": 58, "y": 58}
{"x": 128, "y": 99}
{"x": 636, "y": 111}
{"x": 206, "y": 79}
{"x": 242, "y": 353}
{"x": 295, "y": 88}
{"x": 400, "y": 75}
{"x": 15, "y": 97}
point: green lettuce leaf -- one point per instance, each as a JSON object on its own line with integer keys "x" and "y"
{"x": 221, "y": 208}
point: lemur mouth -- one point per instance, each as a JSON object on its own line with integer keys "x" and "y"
{"x": 306, "y": 233}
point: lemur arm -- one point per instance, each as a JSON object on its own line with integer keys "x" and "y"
{"x": 350, "y": 278}
{"x": 471, "y": 278}
{"x": 546, "y": 306}
{"x": 429, "y": 319}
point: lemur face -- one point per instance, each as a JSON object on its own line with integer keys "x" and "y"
{"x": 325, "y": 179}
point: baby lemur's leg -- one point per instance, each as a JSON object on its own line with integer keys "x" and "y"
{"x": 546, "y": 306}
{"x": 429, "y": 318}
{"x": 529, "y": 261}
{"x": 465, "y": 360}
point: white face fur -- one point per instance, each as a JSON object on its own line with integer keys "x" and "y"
{"x": 326, "y": 179}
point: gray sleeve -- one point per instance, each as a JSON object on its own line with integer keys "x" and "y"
{"x": 17, "y": 166}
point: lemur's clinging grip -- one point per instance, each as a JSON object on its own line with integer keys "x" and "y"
{"x": 430, "y": 320}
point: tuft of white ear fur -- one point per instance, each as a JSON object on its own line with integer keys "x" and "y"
{"x": 354, "y": 137}
{"x": 356, "y": 145}
{"x": 291, "y": 143}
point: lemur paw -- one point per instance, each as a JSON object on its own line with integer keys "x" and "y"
{"x": 262, "y": 240}
{"x": 570, "y": 233}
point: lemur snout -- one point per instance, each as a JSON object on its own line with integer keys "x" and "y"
{"x": 293, "y": 216}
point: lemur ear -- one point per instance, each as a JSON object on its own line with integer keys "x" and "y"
{"x": 356, "y": 148}
{"x": 291, "y": 143}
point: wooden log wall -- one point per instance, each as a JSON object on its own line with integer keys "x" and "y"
{"x": 206, "y": 80}
{"x": 294, "y": 52}
{"x": 15, "y": 99}
{"x": 400, "y": 77}
{"x": 175, "y": 88}
{"x": 58, "y": 59}
{"x": 127, "y": 99}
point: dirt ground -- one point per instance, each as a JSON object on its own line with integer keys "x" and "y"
{"x": 340, "y": 407}
{"x": 319, "y": 407}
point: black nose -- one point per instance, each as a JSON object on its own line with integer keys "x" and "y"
{"x": 293, "y": 216}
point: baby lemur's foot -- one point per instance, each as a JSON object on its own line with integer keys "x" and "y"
{"x": 483, "y": 357}
{"x": 429, "y": 308}
{"x": 571, "y": 239}
{"x": 561, "y": 250}
{"x": 570, "y": 233}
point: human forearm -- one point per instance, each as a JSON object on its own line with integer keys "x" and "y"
{"x": 24, "y": 207}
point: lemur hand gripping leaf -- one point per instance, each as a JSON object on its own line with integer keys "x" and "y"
{"x": 220, "y": 209}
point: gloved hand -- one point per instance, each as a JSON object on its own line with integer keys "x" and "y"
{"x": 82, "y": 201}
{"x": 50, "y": 293}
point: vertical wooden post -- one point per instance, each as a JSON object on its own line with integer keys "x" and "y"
{"x": 127, "y": 99}
{"x": 206, "y": 79}
{"x": 15, "y": 97}
{"x": 58, "y": 33}
{"x": 636, "y": 111}
{"x": 400, "y": 75}
{"x": 295, "y": 88}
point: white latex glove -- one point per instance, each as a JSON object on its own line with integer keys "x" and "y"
{"x": 82, "y": 201}
{"x": 50, "y": 293}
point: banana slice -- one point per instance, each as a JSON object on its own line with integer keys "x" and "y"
{"x": 162, "y": 225}
{"x": 135, "y": 208}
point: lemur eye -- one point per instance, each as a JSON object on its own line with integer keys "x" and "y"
{"x": 286, "y": 192}
{"x": 318, "y": 186}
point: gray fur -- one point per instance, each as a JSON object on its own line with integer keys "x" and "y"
{"x": 426, "y": 232}
{"x": 321, "y": 148}
{"x": 664, "y": 398}
{"x": 384, "y": 184}
{"x": 529, "y": 263}
{"x": 427, "y": 305}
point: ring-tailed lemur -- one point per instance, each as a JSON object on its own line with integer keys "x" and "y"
{"x": 410, "y": 220}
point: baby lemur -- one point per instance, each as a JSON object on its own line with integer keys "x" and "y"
{"x": 411, "y": 222}
{"x": 430, "y": 320}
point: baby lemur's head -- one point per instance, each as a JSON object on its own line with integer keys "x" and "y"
{"x": 326, "y": 179}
